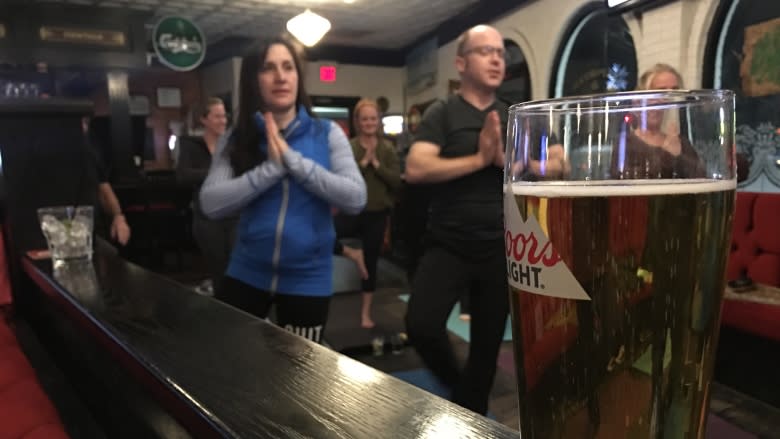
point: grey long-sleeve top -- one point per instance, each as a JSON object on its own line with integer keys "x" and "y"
{"x": 224, "y": 194}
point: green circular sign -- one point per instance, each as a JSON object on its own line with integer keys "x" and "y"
{"x": 179, "y": 43}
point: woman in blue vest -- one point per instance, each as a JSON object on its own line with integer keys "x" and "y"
{"x": 282, "y": 170}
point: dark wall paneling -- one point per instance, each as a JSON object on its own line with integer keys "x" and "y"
{"x": 122, "y": 164}
{"x": 43, "y": 162}
{"x": 23, "y": 43}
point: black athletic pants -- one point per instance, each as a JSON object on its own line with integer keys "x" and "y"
{"x": 440, "y": 281}
{"x": 301, "y": 315}
{"x": 370, "y": 228}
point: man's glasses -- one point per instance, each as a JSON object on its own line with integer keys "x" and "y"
{"x": 485, "y": 51}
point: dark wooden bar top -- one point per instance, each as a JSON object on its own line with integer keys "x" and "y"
{"x": 223, "y": 373}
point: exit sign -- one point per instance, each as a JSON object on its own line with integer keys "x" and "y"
{"x": 327, "y": 73}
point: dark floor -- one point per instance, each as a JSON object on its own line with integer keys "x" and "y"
{"x": 749, "y": 414}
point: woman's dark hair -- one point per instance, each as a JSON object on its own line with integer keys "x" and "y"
{"x": 243, "y": 150}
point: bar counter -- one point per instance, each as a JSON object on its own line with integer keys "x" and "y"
{"x": 220, "y": 372}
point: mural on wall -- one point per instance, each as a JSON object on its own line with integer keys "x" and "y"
{"x": 747, "y": 60}
{"x": 761, "y": 147}
{"x": 760, "y": 68}
{"x": 422, "y": 65}
{"x": 453, "y": 86}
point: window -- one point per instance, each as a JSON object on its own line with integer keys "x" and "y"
{"x": 517, "y": 80}
{"x": 597, "y": 57}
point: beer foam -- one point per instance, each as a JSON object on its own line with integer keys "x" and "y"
{"x": 620, "y": 188}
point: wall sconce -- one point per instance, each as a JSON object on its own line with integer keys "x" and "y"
{"x": 308, "y": 27}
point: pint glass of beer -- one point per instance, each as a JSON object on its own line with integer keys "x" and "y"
{"x": 617, "y": 213}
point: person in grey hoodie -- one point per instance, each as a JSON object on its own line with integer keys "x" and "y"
{"x": 282, "y": 170}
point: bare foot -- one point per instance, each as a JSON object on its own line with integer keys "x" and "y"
{"x": 367, "y": 323}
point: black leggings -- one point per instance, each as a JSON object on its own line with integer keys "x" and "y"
{"x": 370, "y": 228}
{"x": 439, "y": 283}
{"x": 301, "y": 315}
{"x": 215, "y": 239}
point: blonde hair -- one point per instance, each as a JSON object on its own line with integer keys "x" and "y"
{"x": 356, "y": 115}
{"x": 647, "y": 77}
{"x": 205, "y": 108}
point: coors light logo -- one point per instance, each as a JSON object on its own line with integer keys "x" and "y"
{"x": 532, "y": 264}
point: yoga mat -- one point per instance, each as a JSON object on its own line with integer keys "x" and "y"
{"x": 645, "y": 361}
{"x": 343, "y": 332}
{"x": 461, "y": 328}
{"x": 423, "y": 379}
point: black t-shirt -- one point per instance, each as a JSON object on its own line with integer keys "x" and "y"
{"x": 95, "y": 172}
{"x": 468, "y": 208}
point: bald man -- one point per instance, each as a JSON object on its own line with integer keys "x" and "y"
{"x": 459, "y": 148}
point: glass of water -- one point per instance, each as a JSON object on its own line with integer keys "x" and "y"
{"x": 68, "y": 231}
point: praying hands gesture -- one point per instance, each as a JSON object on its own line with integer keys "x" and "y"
{"x": 553, "y": 166}
{"x": 276, "y": 143}
{"x": 491, "y": 151}
{"x": 369, "y": 158}
{"x": 491, "y": 145}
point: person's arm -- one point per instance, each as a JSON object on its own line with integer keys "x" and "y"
{"x": 120, "y": 231}
{"x": 186, "y": 172}
{"x": 424, "y": 163}
{"x": 342, "y": 186}
{"x": 223, "y": 194}
{"x": 389, "y": 169}
{"x": 688, "y": 163}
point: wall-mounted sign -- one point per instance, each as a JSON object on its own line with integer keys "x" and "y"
{"x": 179, "y": 43}
{"x": 2, "y": 30}
{"x": 59, "y": 34}
{"x": 139, "y": 105}
{"x": 168, "y": 97}
{"x": 422, "y": 66}
{"x": 327, "y": 73}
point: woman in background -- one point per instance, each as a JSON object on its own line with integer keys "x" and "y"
{"x": 214, "y": 237}
{"x": 283, "y": 170}
{"x": 379, "y": 165}
{"x": 654, "y": 128}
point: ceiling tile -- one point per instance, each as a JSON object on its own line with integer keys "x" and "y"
{"x": 388, "y": 24}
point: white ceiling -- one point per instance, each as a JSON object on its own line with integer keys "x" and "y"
{"x": 383, "y": 24}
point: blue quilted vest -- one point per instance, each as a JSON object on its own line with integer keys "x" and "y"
{"x": 285, "y": 236}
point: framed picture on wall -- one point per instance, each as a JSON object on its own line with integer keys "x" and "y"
{"x": 168, "y": 97}
{"x": 453, "y": 86}
{"x": 139, "y": 105}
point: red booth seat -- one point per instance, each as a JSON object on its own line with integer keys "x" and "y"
{"x": 25, "y": 411}
{"x": 755, "y": 253}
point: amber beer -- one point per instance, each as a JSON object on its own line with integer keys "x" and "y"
{"x": 615, "y": 293}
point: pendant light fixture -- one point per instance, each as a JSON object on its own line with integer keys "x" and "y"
{"x": 308, "y": 27}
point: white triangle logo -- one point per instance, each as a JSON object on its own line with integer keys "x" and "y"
{"x": 532, "y": 264}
